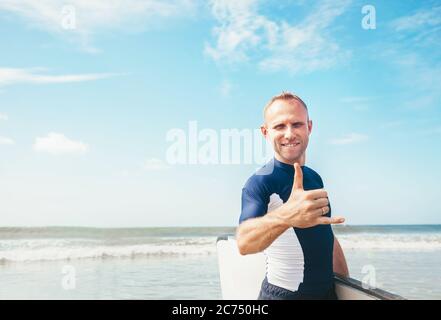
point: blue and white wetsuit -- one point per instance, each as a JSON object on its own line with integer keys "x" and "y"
{"x": 299, "y": 260}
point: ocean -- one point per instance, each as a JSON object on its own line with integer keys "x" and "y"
{"x": 181, "y": 263}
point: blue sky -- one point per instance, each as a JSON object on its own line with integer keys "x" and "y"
{"x": 85, "y": 108}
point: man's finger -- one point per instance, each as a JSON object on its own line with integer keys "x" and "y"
{"x": 298, "y": 177}
{"x": 321, "y": 211}
{"x": 333, "y": 220}
{"x": 319, "y": 203}
{"x": 316, "y": 194}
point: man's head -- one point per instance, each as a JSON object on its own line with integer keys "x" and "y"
{"x": 287, "y": 126}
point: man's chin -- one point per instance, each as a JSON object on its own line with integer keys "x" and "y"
{"x": 291, "y": 159}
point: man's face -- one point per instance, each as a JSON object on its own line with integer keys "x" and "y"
{"x": 287, "y": 127}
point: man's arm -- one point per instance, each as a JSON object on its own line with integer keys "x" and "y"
{"x": 339, "y": 264}
{"x": 255, "y": 235}
{"x": 303, "y": 209}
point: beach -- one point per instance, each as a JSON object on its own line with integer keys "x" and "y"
{"x": 181, "y": 263}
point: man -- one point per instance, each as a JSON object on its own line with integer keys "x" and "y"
{"x": 286, "y": 212}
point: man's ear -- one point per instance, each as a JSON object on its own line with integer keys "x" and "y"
{"x": 310, "y": 126}
{"x": 264, "y": 130}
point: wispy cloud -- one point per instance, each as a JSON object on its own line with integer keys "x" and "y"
{"x": 6, "y": 141}
{"x": 80, "y": 20}
{"x": 243, "y": 32}
{"x": 9, "y": 76}
{"x": 3, "y": 116}
{"x": 422, "y": 29}
{"x": 419, "y": 30}
{"x": 155, "y": 164}
{"x": 420, "y": 19}
{"x": 58, "y": 144}
{"x": 419, "y": 75}
{"x": 414, "y": 51}
{"x": 349, "y": 139}
{"x": 240, "y": 29}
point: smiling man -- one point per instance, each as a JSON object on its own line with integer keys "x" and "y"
{"x": 286, "y": 212}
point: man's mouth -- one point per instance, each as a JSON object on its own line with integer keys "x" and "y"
{"x": 291, "y": 144}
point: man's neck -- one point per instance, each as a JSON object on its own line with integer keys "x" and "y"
{"x": 301, "y": 161}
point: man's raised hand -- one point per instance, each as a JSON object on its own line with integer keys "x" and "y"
{"x": 306, "y": 209}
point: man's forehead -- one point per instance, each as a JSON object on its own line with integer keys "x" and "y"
{"x": 281, "y": 110}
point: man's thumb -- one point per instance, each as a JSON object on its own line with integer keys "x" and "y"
{"x": 298, "y": 177}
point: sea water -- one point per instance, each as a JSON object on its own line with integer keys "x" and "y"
{"x": 181, "y": 263}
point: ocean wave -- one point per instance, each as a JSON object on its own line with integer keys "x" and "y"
{"x": 391, "y": 242}
{"x": 55, "y": 249}
{"x": 30, "y": 250}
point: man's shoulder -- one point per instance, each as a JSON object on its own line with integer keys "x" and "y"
{"x": 307, "y": 171}
{"x": 257, "y": 181}
{"x": 262, "y": 179}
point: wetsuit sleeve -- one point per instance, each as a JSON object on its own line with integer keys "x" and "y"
{"x": 253, "y": 204}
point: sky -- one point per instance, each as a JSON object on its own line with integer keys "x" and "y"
{"x": 97, "y": 98}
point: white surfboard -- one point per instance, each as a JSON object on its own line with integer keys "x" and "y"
{"x": 241, "y": 276}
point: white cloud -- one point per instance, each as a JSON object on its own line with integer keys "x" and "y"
{"x": 420, "y": 29}
{"x": 413, "y": 50}
{"x": 3, "y": 116}
{"x": 421, "y": 18}
{"x": 81, "y": 19}
{"x": 304, "y": 47}
{"x": 350, "y": 139}
{"x": 10, "y": 76}
{"x": 6, "y": 141}
{"x": 155, "y": 164}
{"x": 57, "y": 144}
{"x": 239, "y": 29}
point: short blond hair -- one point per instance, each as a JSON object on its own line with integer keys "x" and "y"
{"x": 285, "y": 96}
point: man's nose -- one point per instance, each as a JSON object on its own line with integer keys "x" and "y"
{"x": 288, "y": 133}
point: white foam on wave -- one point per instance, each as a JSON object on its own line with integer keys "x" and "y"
{"x": 391, "y": 242}
{"x": 29, "y": 250}
{"x": 61, "y": 249}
